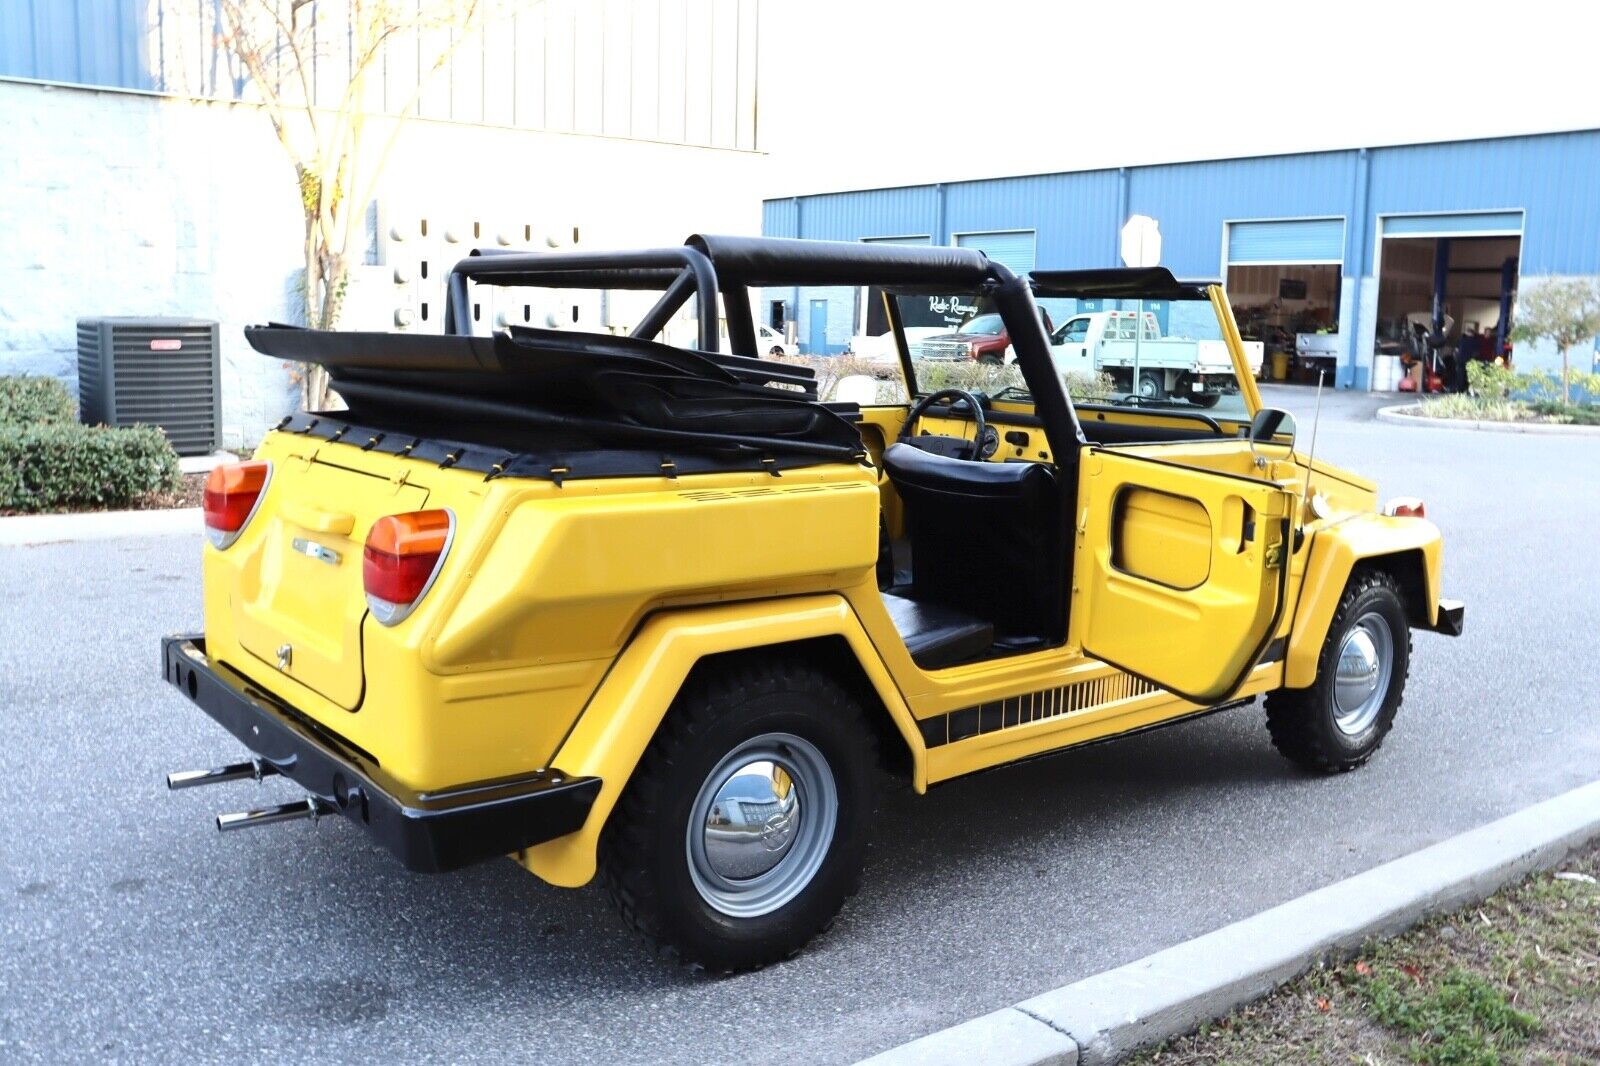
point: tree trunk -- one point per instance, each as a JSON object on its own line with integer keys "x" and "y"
{"x": 1566, "y": 378}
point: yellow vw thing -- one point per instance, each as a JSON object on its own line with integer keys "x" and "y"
{"x": 609, "y": 606}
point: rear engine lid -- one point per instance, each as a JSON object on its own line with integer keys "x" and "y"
{"x": 300, "y": 602}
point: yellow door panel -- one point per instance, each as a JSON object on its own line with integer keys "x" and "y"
{"x": 1162, "y": 537}
{"x": 1179, "y": 572}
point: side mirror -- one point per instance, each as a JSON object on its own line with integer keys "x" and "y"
{"x": 1272, "y": 425}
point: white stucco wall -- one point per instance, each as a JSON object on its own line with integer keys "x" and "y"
{"x": 128, "y": 204}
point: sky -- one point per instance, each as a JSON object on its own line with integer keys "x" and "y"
{"x": 866, "y": 93}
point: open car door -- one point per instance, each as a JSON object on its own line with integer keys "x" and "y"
{"x": 1180, "y": 572}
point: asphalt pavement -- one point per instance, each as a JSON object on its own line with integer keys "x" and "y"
{"x": 130, "y": 929}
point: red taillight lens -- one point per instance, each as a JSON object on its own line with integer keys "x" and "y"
{"x": 232, "y": 493}
{"x": 1405, "y": 507}
{"x": 403, "y": 553}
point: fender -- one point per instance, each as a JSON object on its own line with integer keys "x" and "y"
{"x": 622, "y": 717}
{"x": 1335, "y": 551}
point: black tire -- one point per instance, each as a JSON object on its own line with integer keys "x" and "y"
{"x": 1152, "y": 385}
{"x": 644, "y": 857}
{"x": 776, "y": 349}
{"x": 1207, "y": 400}
{"x": 1304, "y": 722}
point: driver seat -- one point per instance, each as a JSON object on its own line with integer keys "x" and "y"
{"x": 986, "y": 540}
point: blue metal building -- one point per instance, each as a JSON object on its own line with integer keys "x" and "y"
{"x": 1472, "y": 217}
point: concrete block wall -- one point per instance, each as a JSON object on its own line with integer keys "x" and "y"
{"x": 126, "y": 204}
{"x": 119, "y": 203}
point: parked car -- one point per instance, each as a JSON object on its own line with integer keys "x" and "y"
{"x": 616, "y": 608}
{"x": 1199, "y": 371}
{"x": 772, "y": 342}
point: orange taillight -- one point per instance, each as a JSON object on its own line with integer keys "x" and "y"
{"x": 402, "y": 556}
{"x": 232, "y": 492}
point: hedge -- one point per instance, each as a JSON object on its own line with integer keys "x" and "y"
{"x": 74, "y": 467}
{"x": 35, "y": 401}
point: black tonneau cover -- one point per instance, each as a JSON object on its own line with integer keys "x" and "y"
{"x": 543, "y": 400}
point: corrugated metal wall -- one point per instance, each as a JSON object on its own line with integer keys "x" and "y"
{"x": 91, "y": 42}
{"x": 680, "y": 71}
{"x": 1554, "y": 179}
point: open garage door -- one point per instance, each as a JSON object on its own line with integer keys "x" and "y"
{"x": 1447, "y": 285}
{"x": 1284, "y": 279}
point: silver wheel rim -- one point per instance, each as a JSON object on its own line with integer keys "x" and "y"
{"x": 1361, "y": 674}
{"x": 1148, "y": 387}
{"x": 761, "y": 825}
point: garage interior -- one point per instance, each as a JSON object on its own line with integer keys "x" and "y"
{"x": 1277, "y": 303}
{"x": 1442, "y": 302}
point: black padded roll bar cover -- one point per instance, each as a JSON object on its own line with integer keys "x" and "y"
{"x": 775, "y": 261}
{"x": 1130, "y": 283}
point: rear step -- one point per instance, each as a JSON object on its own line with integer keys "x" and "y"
{"x": 310, "y": 807}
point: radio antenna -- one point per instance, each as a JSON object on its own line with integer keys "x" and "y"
{"x": 1316, "y": 420}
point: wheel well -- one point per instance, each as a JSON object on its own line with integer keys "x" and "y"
{"x": 832, "y": 656}
{"x": 1406, "y": 568}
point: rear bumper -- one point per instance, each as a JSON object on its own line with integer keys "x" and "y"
{"x": 427, "y": 831}
{"x": 1452, "y": 616}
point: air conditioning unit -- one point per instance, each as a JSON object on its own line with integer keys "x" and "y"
{"x": 155, "y": 371}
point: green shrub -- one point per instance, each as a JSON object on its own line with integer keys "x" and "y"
{"x": 26, "y": 401}
{"x": 74, "y": 467}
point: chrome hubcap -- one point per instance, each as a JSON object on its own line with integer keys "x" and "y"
{"x": 1361, "y": 677}
{"x": 761, "y": 825}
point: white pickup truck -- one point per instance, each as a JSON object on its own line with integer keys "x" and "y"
{"x": 1198, "y": 371}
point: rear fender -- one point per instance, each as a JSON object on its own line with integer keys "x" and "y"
{"x": 615, "y": 728}
{"x": 1407, "y": 547}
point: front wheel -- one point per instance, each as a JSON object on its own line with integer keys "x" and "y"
{"x": 1338, "y": 722}
{"x": 744, "y": 829}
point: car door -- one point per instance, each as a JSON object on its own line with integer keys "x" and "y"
{"x": 1179, "y": 572}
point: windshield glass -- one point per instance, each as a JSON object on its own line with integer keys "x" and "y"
{"x": 1154, "y": 353}
{"x": 981, "y": 324}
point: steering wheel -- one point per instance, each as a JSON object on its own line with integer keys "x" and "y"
{"x": 950, "y": 447}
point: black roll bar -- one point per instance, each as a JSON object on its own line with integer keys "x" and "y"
{"x": 653, "y": 268}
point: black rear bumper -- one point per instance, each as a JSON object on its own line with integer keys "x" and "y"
{"x": 1452, "y": 617}
{"x": 427, "y": 831}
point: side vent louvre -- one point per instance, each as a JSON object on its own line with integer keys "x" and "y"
{"x": 153, "y": 371}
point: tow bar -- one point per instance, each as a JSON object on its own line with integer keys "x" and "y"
{"x": 255, "y": 769}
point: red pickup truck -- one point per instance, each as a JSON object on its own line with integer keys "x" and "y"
{"x": 981, "y": 337}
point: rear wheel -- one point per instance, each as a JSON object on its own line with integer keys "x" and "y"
{"x": 743, "y": 830}
{"x": 1151, "y": 387}
{"x": 1341, "y": 719}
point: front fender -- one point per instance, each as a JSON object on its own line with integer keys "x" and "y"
{"x": 1410, "y": 543}
{"x": 621, "y": 718}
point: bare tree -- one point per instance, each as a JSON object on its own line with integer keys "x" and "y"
{"x": 325, "y": 129}
{"x": 1565, "y": 311}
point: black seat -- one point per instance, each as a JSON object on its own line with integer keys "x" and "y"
{"x": 938, "y": 636}
{"x": 987, "y": 539}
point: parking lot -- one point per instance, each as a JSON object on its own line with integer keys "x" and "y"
{"x": 130, "y": 929}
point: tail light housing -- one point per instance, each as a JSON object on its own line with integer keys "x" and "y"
{"x": 1405, "y": 507}
{"x": 233, "y": 492}
{"x": 402, "y": 558}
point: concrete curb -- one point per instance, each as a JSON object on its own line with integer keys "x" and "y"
{"x": 1104, "y": 1018}
{"x": 23, "y": 530}
{"x": 1398, "y": 414}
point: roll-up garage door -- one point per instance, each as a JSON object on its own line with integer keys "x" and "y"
{"x": 1474, "y": 224}
{"x": 1014, "y": 249}
{"x": 1308, "y": 240}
